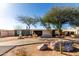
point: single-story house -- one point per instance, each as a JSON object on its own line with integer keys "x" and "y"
{"x": 38, "y": 32}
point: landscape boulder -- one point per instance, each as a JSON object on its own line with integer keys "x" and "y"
{"x": 43, "y": 47}
{"x": 65, "y": 45}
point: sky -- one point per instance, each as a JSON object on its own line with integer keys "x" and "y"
{"x": 10, "y": 11}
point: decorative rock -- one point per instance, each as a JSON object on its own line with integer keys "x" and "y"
{"x": 43, "y": 47}
{"x": 66, "y": 46}
{"x": 51, "y": 45}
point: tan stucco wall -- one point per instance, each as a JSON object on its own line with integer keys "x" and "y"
{"x": 7, "y": 33}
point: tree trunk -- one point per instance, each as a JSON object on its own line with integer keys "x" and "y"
{"x": 60, "y": 32}
{"x": 29, "y": 27}
{"x": 32, "y": 33}
{"x": 29, "y": 30}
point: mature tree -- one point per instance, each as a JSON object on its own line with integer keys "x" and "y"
{"x": 59, "y": 16}
{"x": 28, "y": 21}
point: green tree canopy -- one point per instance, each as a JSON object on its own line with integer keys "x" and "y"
{"x": 27, "y": 20}
{"x": 59, "y": 16}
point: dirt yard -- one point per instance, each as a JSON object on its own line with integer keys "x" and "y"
{"x": 31, "y": 50}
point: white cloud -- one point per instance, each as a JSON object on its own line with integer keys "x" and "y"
{"x": 8, "y": 23}
{"x": 5, "y": 22}
{"x": 3, "y": 5}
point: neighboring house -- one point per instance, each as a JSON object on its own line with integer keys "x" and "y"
{"x": 74, "y": 30}
{"x": 77, "y": 30}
